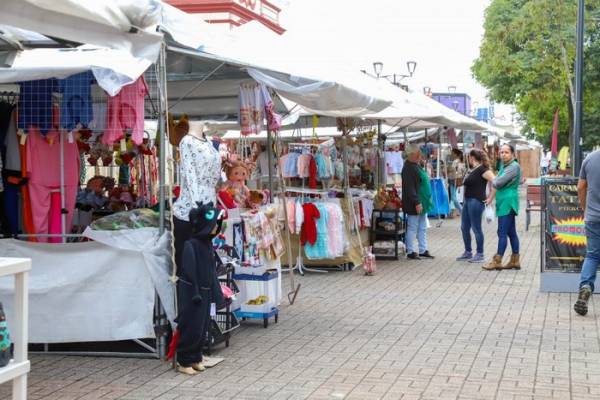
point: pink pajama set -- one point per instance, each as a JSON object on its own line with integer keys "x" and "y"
{"x": 43, "y": 168}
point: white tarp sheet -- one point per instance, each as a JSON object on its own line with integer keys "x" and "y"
{"x": 89, "y": 291}
{"x": 133, "y": 26}
{"x": 332, "y": 97}
{"x": 112, "y": 69}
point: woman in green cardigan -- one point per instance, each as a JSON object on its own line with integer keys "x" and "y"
{"x": 506, "y": 190}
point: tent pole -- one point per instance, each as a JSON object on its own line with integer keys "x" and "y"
{"x": 63, "y": 216}
{"x": 282, "y": 193}
{"x": 381, "y": 175}
{"x": 270, "y": 161}
{"x": 162, "y": 86}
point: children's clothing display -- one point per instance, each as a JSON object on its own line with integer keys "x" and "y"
{"x": 126, "y": 111}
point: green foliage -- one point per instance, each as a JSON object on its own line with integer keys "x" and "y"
{"x": 527, "y": 56}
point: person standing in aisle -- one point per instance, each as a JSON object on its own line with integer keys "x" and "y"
{"x": 455, "y": 179}
{"x": 416, "y": 202}
{"x": 505, "y": 188}
{"x": 475, "y": 185}
{"x": 588, "y": 189}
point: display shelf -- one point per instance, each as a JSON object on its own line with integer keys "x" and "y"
{"x": 376, "y": 234}
{"x": 19, "y": 366}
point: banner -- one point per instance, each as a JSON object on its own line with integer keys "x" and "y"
{"x": 564, "y": 227}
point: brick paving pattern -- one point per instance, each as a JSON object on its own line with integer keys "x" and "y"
{"x": 417, "y": 330}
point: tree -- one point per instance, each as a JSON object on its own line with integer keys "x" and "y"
{"x": 527, "y": 56}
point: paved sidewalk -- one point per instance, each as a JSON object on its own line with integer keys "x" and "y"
{"x": 417, "y": 330}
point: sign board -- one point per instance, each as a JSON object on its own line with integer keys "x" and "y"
{"x": 563, "y": 235}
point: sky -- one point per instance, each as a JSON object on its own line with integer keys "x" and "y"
{"x": 442, "y": 36}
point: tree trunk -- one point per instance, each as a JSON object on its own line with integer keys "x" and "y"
{"x": 571, "y": 121}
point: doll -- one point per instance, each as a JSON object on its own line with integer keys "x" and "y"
{"x": 237, "y": 173}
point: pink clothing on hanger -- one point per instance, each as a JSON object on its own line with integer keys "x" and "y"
{"x": 304, "y": 165}
{"x": 291, "y": 214}
{"x": 43, "y": 170}
{"x": 126, "y": 111}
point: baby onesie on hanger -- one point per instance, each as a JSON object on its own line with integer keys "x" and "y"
{"x": 126, "y": 111}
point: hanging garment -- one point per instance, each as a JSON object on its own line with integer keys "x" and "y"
{"x": 55, "y": 220}
{"x": 273, "y": 119}
{"x": 322, "y": 171}
{"x": 12, "y": 159}
{"x": 43, "y": 168}
{"x": 291, "y": 214}
{"x": 291, "y": 165}
{"x": 304, "y": 165}
{"x": 199, "y": 171}
{"x": 312, "y": 176}
{"x": 335, "y": 230}
{"x": 452, "y": 138}
{"x": 35, "y": 105}
{"x": 394, "y": 162}
{"x": 251, "y": 115}
{"x": 126, "y": 111}
{"x": 319, "y": 249}
{"x": 76, "y": 103}
{"x": 309, "y": 224}
{"x": 299, "y": 220}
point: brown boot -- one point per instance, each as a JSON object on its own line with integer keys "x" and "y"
{"x": 496, "y": 263}
{"x": 514, "y": 263}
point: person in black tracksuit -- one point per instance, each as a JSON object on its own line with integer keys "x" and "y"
{"x": 198, "y": 287}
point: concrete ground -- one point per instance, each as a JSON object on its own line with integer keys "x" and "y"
{"x": 417, "y": 330}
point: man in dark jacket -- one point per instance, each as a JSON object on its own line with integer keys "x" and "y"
{"x": 416, "y": 202}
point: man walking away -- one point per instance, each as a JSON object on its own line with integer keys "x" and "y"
{"x": 588, "y": 189}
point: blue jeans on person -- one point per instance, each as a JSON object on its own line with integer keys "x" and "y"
{"x": 592, "y": 255}
{"x": 454, "y": 197}
{"x": 416, "y": 229}
{"x": 471, "y": 217}
{"x": 544, "y": 171}
{"x": 507, "y": 229}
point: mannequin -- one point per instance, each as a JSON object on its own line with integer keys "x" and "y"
{"x": 198, "y": 287}
{"x": 200, "y": 171}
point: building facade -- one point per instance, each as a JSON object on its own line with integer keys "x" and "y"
{"x": 460, "y": 102}
{"x": 233, "y": 13}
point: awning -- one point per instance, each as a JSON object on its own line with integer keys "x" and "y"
{"x": 133, "y": 26}
{"x": 112, "y": 69}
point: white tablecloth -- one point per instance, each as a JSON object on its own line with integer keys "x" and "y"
{"x": 93, "y": 291}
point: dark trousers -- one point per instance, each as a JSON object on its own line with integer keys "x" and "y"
{"x": 182, "y": 231}
{"x": 193, "y": 326}
{"x": 471, "y": 219}
{"x": 507, "y": 229}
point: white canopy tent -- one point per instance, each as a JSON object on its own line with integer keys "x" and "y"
{"x": 133, "y": 26}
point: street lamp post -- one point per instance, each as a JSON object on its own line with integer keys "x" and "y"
{"x": 576, "y": 154}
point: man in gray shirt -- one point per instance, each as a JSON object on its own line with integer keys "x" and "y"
{"x": 588, "y": 190}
